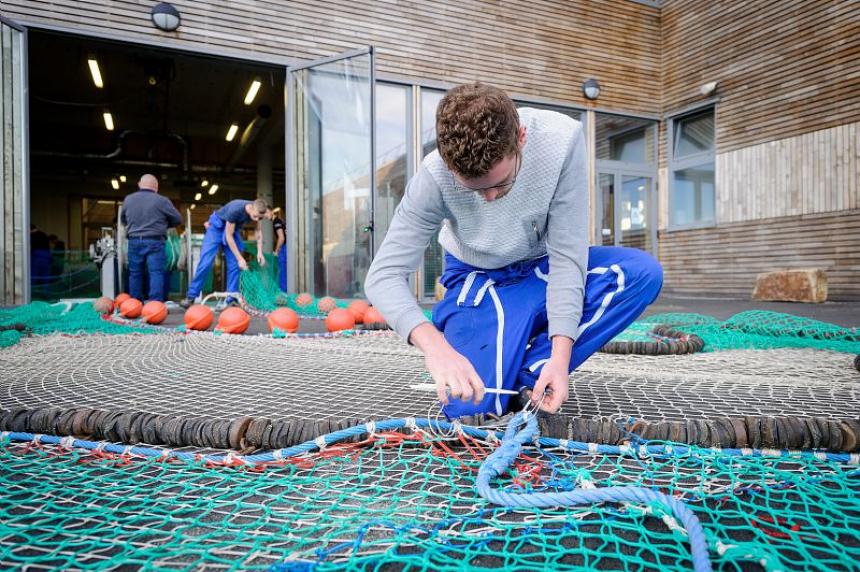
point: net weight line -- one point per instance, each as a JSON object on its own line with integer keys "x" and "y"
{"x": 261, "y": 433}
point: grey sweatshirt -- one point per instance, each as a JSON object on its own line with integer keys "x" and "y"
{"x": 546, "y": 212}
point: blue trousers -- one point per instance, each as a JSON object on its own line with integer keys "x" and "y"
{"x": 213, "y": 241}
{"x": 146, "y": 256}
{"x": 40, "y": 265}
{"x": 497, "y": 318}
{"x": 282, "y": 268}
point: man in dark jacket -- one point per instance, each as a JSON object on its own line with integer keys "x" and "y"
{"x": 147, "y": 216}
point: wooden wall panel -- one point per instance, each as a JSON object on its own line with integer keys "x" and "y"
{"x": 725, "y": 260}
{"x": 811, "y": 173}
{"x": 784, "y": 68}
{"x": 532, "y": 47}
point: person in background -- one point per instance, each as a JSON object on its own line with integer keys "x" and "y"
{"x": 40, "y": 256}
{"x": 280, "y": 230}
{"x": 147, "y": 216}
{"x": 224, "y": 229}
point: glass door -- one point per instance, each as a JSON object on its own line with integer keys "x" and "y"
{"x": 15, "y": 263}
{"x": 330, "y": 138}
{"x": 626, "y": 209}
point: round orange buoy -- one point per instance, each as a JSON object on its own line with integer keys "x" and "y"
{"x": 358, "y": 308}
{"x": 103, "y": 305}
{"x": 154, "y": 312}
{"x": 304, "y": 299}
{"x": 233, "y": 321}
{"x": 120, "y": 299}
{"x": 130, "y": 308}
{"x": 285, "y": 320}
{"x": 373, "y": 317}
{"x": 339, "y": 319}
{"x": 198, "y": 317}
{"x": 326, "y": 304}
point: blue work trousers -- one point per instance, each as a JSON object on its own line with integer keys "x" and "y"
{"x": 282, "y": 267}
{"x": 498, "y": 320}
{"x": 146, "y": 255}
{"x": 213, "y": 241}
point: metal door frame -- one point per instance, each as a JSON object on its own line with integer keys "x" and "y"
{"x": 618, "y": 170}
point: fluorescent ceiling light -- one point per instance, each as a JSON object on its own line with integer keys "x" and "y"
{"x": 108, "y": 120}
{"x": 95, "y": 72}
{"x": 115, "y": 184}
{"x": 193, "y": 206}
{"x": 204, "y": 183}
{"x": 252, "y": 92}
{"x": 213, "y": 189}
{"x": 122, "y": 178}
{"x": 232, "y": 132}
{"x": 197, "y": 197}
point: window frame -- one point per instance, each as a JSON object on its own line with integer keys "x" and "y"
{"x": 694, "y": 160}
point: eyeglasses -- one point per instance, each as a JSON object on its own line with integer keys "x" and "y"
{"x": 502, "y": 187}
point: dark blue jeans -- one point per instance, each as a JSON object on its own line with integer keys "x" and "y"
{"x": 146, "y": 255}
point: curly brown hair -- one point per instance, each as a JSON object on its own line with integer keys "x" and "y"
{"x": 476, "y": 126}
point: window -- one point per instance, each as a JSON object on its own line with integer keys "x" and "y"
{"x": 691, "y": 165}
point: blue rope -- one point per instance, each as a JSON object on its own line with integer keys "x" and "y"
{"x": 502, "y": 458}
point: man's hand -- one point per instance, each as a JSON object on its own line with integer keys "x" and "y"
{"x": 261, "y": 259}
{"x": 448, "y": 368}
{"x": 553, "y": 376}
{"x": 243, "y": 264}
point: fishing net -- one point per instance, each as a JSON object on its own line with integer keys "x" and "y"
{"x": 42, "y": 318}
{"x": 754, "y": 329}
{"x": 416, "y": 499}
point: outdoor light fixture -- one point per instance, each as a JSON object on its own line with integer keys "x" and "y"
{"x": 591, "y": 89}
{"x": 708, "y": 88}
{"x": 108, "y": 120}
{"x": 165, "y": 17}
{"x": 122, "y": 178}
{"x": 198, "y": 196}
{"x": 96, "y": 72}
{"x": 232, "y": 132}
{"x": 115, "y": 184}
{"x": 252, "y": 91}
{"x": 192, "y": 207}
{"x": 204, "y": 183}
{"x": 213, "y": 189}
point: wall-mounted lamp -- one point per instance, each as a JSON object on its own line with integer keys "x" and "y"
{"x": 708, "y": 88}
{"x": 165, "y": 17}
{"x": 591, "y": 89}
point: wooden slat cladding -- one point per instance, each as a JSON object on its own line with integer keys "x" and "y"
{"x": 811, "y": 173}
{"x": 784, "y": 68}
{"x": 533, "y": 47}
{"x": 726, "y": 259}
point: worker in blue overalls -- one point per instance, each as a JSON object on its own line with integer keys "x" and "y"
{"x": 224, "y": 231}
{"x": 528, "y": 300}
{"x": 280, "y": 230}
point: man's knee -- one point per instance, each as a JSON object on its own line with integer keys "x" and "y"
{"x": 646, "y": 272}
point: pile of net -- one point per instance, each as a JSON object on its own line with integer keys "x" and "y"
{"x": 754, "y": 329}
{"x": 410, "y": 500}
{"x": 42, "y": 318}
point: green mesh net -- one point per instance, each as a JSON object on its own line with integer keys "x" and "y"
{"x": 42, "y": 318}
{"x": 400, "y": 502}
{"x": 754, "y": 329}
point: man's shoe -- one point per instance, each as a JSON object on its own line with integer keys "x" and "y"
{"x": 186, "y": 302}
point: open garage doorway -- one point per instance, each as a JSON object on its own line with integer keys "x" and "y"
{"x": 104, "y": 113}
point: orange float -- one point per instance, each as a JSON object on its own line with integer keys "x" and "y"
{"x": 326, "y": 304}
{"x": 198, "y": 317}
{"x": 285, "y": 320}
{"x": 103, "y": 305}
{"x": 373, "y": 317}
{"x": 339, "y": 319}
{"x": 154, "y": 312}
{"x": 122, "y": 297}
{"x": 130, "y": 308}
{"x": 358, "y": 308}
{"x": 233, "y": 321}
{"x": 304, "y": 299}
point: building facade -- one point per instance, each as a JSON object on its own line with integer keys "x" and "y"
{"x": 724, "y": 137}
